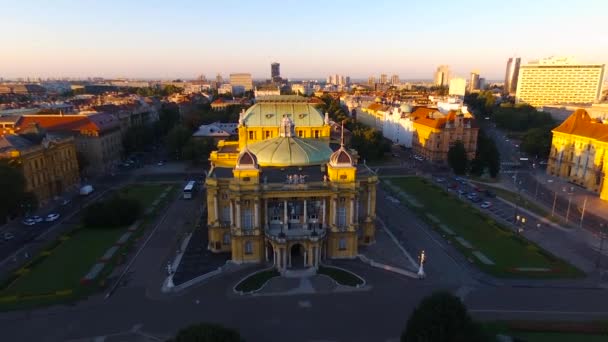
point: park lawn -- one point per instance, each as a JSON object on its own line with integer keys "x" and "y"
{"x": 67, "y": 263}
{"x": 146, "y": 194}
{"x": 72, "y": 258}
{"x": 255, "y": 281}
{"x": 507, "y": 250}
{"x": 342, "y": 277}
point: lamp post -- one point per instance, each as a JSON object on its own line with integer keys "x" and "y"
{"x": 521, "y": 222}
{"x": 422, "y": 258}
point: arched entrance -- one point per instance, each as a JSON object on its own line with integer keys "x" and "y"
{"x": 297, "y": 256}
{"x": 269, "y": 253}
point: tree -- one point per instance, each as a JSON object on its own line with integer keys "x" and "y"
{"x": 176, "y": 140}
{"x": 206, "y": 332}
{"x": 487, "y": 156}
{"x": 457, "y": 158}
{"x": 14, "y": 198}
{"x": 198, "y": 150}
{"x": 537, "y": 141}
{"x": 118, "y": 211}
{"x": 137, "y": 138}
{"x": 441, "y": 317}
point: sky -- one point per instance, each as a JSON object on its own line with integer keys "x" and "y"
{"x": 311, "y": 39}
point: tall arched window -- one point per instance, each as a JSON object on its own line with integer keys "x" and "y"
{"x": 248, "y": 247}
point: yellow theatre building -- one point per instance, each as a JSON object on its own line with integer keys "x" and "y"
{"x": 281, "y": 195}
{"x": 579, "y": 152}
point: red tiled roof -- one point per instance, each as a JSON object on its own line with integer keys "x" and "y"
{"x": 422, "y": 116}
{"x": 99, "y": 122}
{"x": 581, "y": 124}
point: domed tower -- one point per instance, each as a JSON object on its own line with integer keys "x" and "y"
{"x": 247, "y": 169}
{"x": 341, "y": 167}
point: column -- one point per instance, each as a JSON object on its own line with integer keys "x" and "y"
{"x": 351, "y": 212}
{"x": 285, "y": 216}
{"x": 256, "y": 215}
{"x": 334, "y": 211}
{"x": 317, "y": 256}
{"x": 231, "y": 213}
{"x": 305, "y": 258}
{"x": 369, "y": 201}
{"x": 266, "y": 221}
{"x": 238, "y": 213}
{"x": 266, "y": 252}
{"x": 215, "y": 208}
{"x": 324, "y": 221}
{"x": 305, "y": 223}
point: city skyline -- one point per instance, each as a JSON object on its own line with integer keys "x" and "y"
{"x": 182, "y": 40}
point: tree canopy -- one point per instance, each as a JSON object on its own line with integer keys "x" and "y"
{"x": 118, "y": 211}
{"x": 14, "y": 199}
{"x": 457, "y": 158}
{"x": 487, "y": 157}
{"x": 520, "y": 118}
{"x": 441, "y": 317}
{"x": 206, "y": 332}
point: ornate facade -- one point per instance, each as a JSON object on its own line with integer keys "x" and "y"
{"x": 281, "y": 195}
{"x": 579, "y": 152}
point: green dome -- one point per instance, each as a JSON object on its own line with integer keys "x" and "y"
{"x": 291, "y": 151}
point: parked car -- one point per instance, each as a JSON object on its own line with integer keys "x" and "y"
{"x": 66, "y": 201}
{"x": 462, "y": 192}
{"x": 486, "y": 204}
{"x": 476, "y": 199}
{"x": 28, "y": 221}
{"x": 52, "y": 217}
{"x": 453, "y": 186}
{"x": 86, "y": 190}
{"x": 8, "y": 236}
{"x": 439, "y": 180}
{"x": 37, "y": 218}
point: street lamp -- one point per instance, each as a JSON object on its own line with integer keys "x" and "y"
{"x": 422, "y": 258}
{"x": 521, "y": 222}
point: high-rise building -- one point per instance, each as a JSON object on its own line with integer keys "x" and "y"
{"x": 243, "y": 80}
{"x": 395, "y": 79}
{"x": 458, "y": 86}
{"x": 512, "y": 75}
{"x": 383, "y": 79}
{"x": 474, "y": 81}
{"x": 557, "y": 80}
{"x": 442, "y": 75}
{"x": 219, "y": 79}
{"x": 275, "y": 72}
{"x": 371, "y": 81}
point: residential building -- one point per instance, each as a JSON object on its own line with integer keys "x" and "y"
{"x": 268, "y": 90}
{"x": 225, "y": 89}
{"x": 474, "y": 81}
{"x": 241, "y": 80}
{"x": 275, "y": 72}
{"x": 222, "y": 104}
{"x": 301, "y": 89}
{"x": 383, "y": 79}
{"x": 559, "y": 80}
{"x": 579, "y": 152}
{"x": 97, "y": 136}
{"x": 435, "y": 133}
{"x": 442, "y": 76}
{"x": 47, "y": 161}
{"x": 281, "y": 195}
{"x": 217, "y": 131}
{"x": 458, "y": 86}
{"x": 512, "y": 76}
{"x": 395, "y": 80}
{"x": 371, "y": 81}
{"x": 398, "y": 126}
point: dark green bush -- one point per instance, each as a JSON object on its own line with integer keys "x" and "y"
{"x": 118, "y": 211}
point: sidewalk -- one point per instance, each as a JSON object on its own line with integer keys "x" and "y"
{"x": 565, "y": 189}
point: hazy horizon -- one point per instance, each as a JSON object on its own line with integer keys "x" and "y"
{"x": 311, "y": 40}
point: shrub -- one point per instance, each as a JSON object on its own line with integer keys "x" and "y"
{"x": 115, "y": 212}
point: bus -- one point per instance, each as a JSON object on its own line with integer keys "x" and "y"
{"x": 189, "y": 189}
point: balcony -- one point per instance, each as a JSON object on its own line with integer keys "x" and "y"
{"x": 295, "y": 232}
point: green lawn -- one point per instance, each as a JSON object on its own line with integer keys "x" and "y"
{"x": 507, "y": 250}
{"x": 340, "y": 276}
{"x": 72, "y": 259}
{"x": 255, "y": 281}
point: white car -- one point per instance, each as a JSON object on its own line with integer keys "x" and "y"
{"x": 28, "y": 222}
{"x": 486, "y": 204}
{"x": 8, "y": 236}
{"x": 37, "y": 218}
{"x": 52, "y": 217}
